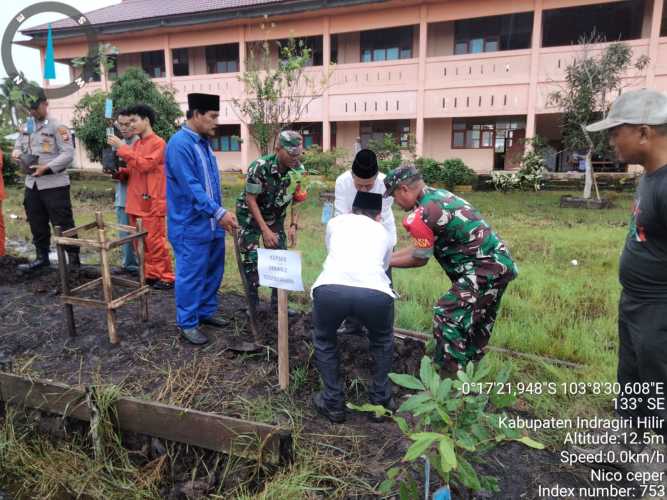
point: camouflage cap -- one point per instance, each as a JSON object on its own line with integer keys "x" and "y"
{"x": 291, "y": 141}
{"x": 398, "y": 176}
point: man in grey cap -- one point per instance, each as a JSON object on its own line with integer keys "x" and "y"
{"x": 637, "y": 126}
{"x": 44, "y": 150}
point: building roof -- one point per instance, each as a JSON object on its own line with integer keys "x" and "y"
{"x": 131, "y": 15}
{"x": 134, "y": 10}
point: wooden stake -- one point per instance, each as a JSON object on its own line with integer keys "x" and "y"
{"x": 283, "y": 340}
{"x": 62, "y": 270}
{"x": 141, "y": 245}
{"x": 107, "y": 287}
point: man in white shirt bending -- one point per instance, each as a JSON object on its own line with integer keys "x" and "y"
{"x": 364, "y": 177}
{"x": 354, "y": 282}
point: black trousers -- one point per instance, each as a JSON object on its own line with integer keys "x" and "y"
{"x": 642, "y": 358}
{"x": 354, "y": 323}
{"x": 375, "y": 310}
{"x": 48, "y": 205}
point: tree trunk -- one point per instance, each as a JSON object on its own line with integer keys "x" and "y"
{"x": 588, "y": 185}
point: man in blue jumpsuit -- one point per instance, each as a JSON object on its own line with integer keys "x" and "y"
{"x": 196, "y": 219}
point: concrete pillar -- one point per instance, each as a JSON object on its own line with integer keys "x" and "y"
{"x": 535, "y": 46}
{"x": 245, "y": 130}
{"x": 326, "y": 67}
{"x": 653, "y": 46}
{"x": 423, "y": 37}
{"x": 168, "y": 59}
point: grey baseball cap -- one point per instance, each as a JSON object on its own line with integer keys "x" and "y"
{"x": 637, "y": 107}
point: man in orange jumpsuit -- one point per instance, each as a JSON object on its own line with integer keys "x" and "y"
{"x": 2, "y": 197}
{"x": 146, "y": 197}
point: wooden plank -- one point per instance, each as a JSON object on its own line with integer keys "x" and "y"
{"x": 86, "y": 286}
{"x": 77, "y": 242}
{"x": 283, "y": 340}
{"x": 124, "y": 282}
{"x": 64, "y": 283}
{"x": 74, "y": 230}
{"x": 125, "y": 239}
{"x": 122, "y": 227}
{"x": 141, "y": 250}
{"x": 264, "y": 442}
{"x": 107, "y": 287}
{"x": 238, "y": 437}
{"x": 79, "y": 301}
{"x": 120, "y": 301}
{"x": 44, "y": 395}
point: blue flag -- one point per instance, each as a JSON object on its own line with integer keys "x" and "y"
{"x": 49, "y": 59}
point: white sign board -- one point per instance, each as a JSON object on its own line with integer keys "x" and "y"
{"x": 280, "y": 269}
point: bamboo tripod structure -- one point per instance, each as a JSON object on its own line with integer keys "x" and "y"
{"x": 103, "y": 245}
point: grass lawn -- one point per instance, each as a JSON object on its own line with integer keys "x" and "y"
{"x": 554, "y": 308}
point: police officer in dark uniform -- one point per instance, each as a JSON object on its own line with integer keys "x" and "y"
{"x": 44, "y": 151}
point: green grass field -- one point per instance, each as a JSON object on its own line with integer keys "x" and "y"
{"x": 553, "y": 309}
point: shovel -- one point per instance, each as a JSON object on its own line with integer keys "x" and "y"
{"x": 243, "y": 346}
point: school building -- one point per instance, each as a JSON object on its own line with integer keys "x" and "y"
{"x": 460, "y": 78}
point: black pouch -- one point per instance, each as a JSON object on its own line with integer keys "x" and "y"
{"x": 109, "y": 161}
{"x": 27, "y": 162}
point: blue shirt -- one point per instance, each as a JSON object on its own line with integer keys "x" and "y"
{"x": 194, "y": 200}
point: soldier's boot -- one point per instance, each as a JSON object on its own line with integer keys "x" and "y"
{"x": 41, "y": 260}
{"x": 73, "y": 261}
{"x": 274, "y": 304}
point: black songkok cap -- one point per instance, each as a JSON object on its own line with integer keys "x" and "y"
{"x": 365, "y": 164}
{"x": 204, "y": 102}
{"x": 367, "y": 201}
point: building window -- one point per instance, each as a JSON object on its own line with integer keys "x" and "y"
{"x": 311, "y": 133}
{"x": 153, "y": 63}
{"x": 386, "y": 44}
{"x": 226, "y": 138}
{"x": 505, "y": 131}
{"x": 314, "y": 43}
{"x": 180, "y": 61}
{"x": 222, "y": 58}
{"x": 472, "y": 135}
{"x": 493, "y": 33}
{"x": 376, "y": 130}
{"x": 614, "y": 21}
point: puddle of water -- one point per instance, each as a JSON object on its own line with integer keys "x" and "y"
{"x": 22, "y": 248}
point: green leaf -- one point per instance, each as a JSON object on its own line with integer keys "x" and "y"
{"x": 483, "y": 369}
{"x": 378, "y": 410}
{"x": 414, "y": 402}
{"x": 444, "y": 389}
{"x": 434, "y": 383}
{"x": 385, "y": 487}
{"x": 418, "y": 436}
{"x": 393, "y": 472}
{"x": 447, "y": 454}
{"x": 453, "y": 404}
{"x": 468, "y": 475}
{"x": 479, "y": 432}
{"x": 426, "y": 371}
{"x": 530, "y": 442}
{"x": 418, "y": 448}
{"x": 407, "y": 381}
{"x": 464, "y": 440}
{"x": 402, "y": 424}
{"x": 470, "y": 370}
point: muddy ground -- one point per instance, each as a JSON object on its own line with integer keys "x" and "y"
{"x": 153, "y": 362}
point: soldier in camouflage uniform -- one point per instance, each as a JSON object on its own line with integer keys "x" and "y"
{"x": 262, "y": 206}
{"x": 472, "y": 255}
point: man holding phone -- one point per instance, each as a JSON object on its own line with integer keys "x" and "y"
{"x": 119, "y": 174}
{"x": 146, "y": 192}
